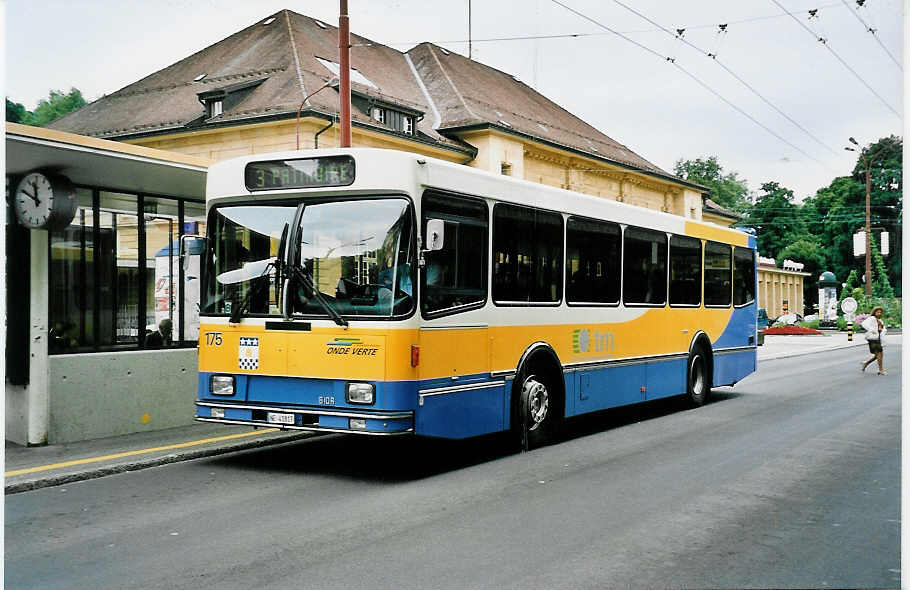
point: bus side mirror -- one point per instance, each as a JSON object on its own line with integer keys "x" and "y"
{"x": 435, "y": 235}
{"x": 184, "y": 251}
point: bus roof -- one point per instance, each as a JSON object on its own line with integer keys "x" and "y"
{"x": 389, "y": 171}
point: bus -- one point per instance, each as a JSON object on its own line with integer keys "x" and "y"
{"x": 382, "y": 292}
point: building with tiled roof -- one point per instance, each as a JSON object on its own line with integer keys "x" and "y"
{"x": 243, "y": 94}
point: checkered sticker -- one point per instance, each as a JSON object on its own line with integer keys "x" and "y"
{"x": 248, "y": 354}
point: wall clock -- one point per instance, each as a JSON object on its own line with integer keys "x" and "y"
{"x": 44, "y": 200}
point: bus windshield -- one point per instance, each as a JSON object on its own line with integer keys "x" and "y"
{"x": 357, "y": 253}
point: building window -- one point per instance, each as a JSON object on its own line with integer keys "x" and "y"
{"x": 116, "y": 278}
{"x": 379, "y": 114}
{"x": 408, "y": 125}
{"x": 216, "y": 108}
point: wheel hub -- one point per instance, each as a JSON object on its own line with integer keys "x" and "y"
{"x": 697, "y": 375}
{"x": 538, "y": 402}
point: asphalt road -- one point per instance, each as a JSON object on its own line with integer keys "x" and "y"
{"x": 790, "y": 479}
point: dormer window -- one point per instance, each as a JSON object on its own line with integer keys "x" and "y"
{"x": 395, "y": 119}
{"x": 218, "y": 100}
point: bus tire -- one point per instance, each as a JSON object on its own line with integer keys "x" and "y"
{"x": 698, "y": 376}
{"x": 537, "y": 409}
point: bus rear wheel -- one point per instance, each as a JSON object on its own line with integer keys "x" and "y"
{"x": 536, "y": 411}
{"x": 698, "y": 378}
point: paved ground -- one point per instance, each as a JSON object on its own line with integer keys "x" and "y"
{"x": 28, "y": 468}
{"x": 791, "y": 479}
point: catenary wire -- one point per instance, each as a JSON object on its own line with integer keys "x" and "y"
{"x": 871, "y": 30}
{"x": 839, "y": 58}
{"x": 732, "y": 73}
{"x": 698, "y": 81}
{"x": 578, "y": 35}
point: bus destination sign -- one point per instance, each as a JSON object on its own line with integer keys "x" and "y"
{"x": 300, "y": 173}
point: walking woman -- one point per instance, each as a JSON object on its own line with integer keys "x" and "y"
{"x": 875, "y": 329}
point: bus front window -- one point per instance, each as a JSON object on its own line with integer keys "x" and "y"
{"x": 243, "y": 239}
{"x": 358, "y": 255}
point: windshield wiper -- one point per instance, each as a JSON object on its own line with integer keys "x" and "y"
{"x": 303, "y": 276}
{"x": 237, "y": 310}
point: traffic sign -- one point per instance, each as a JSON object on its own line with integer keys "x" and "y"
{"x": 848, "y": 305}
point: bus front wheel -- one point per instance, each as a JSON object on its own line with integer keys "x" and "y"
{"x": 698, "y": 377}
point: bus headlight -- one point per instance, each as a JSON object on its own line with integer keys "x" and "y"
{"x": 360, "y": 393}
{"x": 222, "y": 385}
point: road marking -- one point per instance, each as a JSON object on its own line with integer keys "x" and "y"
{"x": 138, "y": 452}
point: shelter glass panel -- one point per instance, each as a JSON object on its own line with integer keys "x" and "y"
{"x": 71, "y": 280}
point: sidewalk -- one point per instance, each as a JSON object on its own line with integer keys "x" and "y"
{"x": 29, "y": 468}
{"x": 776, "y": 347}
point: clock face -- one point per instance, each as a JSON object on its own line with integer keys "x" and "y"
{"x": 34, "y": 200}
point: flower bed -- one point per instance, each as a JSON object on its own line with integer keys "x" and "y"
{"x": 790, "y": 331}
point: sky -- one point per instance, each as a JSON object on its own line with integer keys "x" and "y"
{"x": 595, "y": 58}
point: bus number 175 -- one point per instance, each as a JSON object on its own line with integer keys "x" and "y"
{"x": 213, "y": 338}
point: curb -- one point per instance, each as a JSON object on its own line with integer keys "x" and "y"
{"x": 95, "y": 473}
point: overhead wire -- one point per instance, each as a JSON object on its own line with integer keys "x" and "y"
{"x": 579, "y": 35}
{"x": 697, "y": 80}
{"x": 824, "y": 42}
{"x": 873, "y": 31}
{"x": 751, "y": 88}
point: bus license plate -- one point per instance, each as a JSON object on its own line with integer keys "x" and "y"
{"x": 277, "y": 418}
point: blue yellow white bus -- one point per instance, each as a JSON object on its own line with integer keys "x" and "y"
{"x": 385, "y": 293}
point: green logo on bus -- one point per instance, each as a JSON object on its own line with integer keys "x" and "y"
{"x": 584, "y": 341}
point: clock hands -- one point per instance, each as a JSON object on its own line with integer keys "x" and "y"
{"x": 33, "y": 197}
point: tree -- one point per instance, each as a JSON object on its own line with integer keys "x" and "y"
{"x": 838, "y": 211}
{"x": 851, "y": 284}
{"x": 727, "y": 190}
{"x": 16, "y": 113}
{"x": 57, "y": 105}
{"x": 778, "y": 222}
{"x": 49, "y": 109}
{"x": 881, "y": 286}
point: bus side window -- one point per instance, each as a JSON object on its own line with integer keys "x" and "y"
{"x": 718, "y": 274}
{"x": 644, "y": 267}
{"x": 527, "y": 255}
{"x": 743, "y": 276}
{"x": 455, "y": 277}
{"x": 685, "y": 270}
{"x": 592, "y": 261}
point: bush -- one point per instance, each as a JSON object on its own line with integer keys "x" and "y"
{"x": 811, "y": 324}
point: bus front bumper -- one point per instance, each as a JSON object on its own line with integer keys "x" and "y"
{"x": 381, "y": 423}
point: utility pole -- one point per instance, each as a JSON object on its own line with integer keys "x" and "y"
{"x": 867, "y": 160}
{"x": 344, "y": 64}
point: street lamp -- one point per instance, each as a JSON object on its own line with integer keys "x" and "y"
{"x": 331, "y": 82}
{"x": 867, "y": 158}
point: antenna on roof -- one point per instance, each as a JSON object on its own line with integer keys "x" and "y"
{"x": 470, "y": 54}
